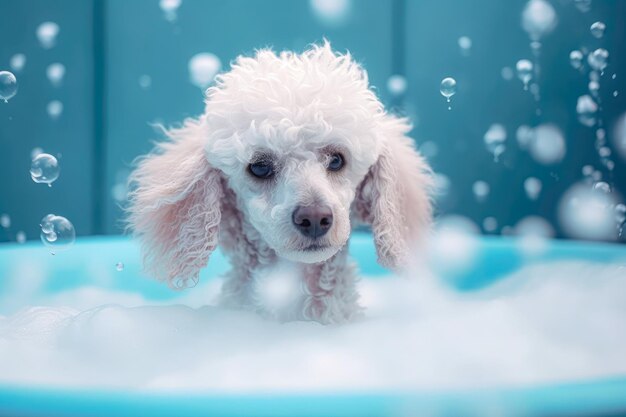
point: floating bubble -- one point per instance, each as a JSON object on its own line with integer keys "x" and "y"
{"x": 598, "y": 59}
{"x": 538, "y": 19}
{"x": 44, "y": 169}
{"x": 587, "y": 171}
{"x": 507, "y": 73}
{"x": 586, "y": 109}
{"x": 524, "y": 135}
{"x": 534, "y": 233}
{"x": 333, "y": 12}
{"x": 602, "y": 187}
{"x": 583, "y": 5}
{"x": 441, "y": 184}
{"x": 54, "y": 109}
{"x": 47, "y": 34}
{"x": 594, "y": 87}
{"x": 604, "y": 152}
{"x": 17, "y": 62}
{"x": 20, "y": 237}
{"x": 465, "y": 43}
{"x": 429, "y": 149}
{"x": 55, "y": 73}
{"x": 615, "y": 93}
{"x": 490, "y": 224}
{"x": 597, "y": 29}
{"x": 532, "y": 186}
{"x": 454, "y": 246}
{"x": 576, "y": 59}
{"x": 5, "y": 221}
{"x": 397, "y": 84}
{"x": 620, "y": 214}
{"x": 448, "y": 89}
{"x": 587, "y": 213}
{"x": 57, "y": 232}
{"x": 119, "y": 266}
{"x": 495, "y": 138}
{"x": 145, "y": 82}
{"x": 170, "y": 9}
{"x": 524, "y": 70}
{"x": 203, "y": 68}
{"x": 548, "y": 145}
{"x": 8, "y": 85}
{"x": 481, "y": 190}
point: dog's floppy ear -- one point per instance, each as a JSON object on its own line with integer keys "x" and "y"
{"x": 174, "y": 206}
{"x": 394, "y": 197}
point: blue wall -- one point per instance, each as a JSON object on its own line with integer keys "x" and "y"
{"x": 107, "y": 45}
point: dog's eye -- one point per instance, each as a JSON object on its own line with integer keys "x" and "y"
{"x": 262, "y": 169}
{"x": 336, "y": 162}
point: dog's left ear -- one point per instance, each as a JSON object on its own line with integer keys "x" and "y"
{"x": 394, "y": 196}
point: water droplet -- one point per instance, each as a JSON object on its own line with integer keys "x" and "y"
{"x": 448, "y": 88}
{"x": 44, "y": 169}
{"x": 586, "y": 213}
{"x": 119, "y": 266}
{"x": 604, "y": 152}
{"x": 576, "y": 59}
{"x": 494, "y": 140}
{"x": 532, "y": 186}
{"x": 507, "y": 73}
{"x": 47, "y": 34}
{"x": 55, "y": 73}
{"x": 397, "y": 84}
{"x": 20, "y": 237}
{"x": 17, "y": 62}
{"x": 602, "y": 187}
{"x": 597, "y": 29}
{"x": 481, "y": 190}
{"x": 524, "y": 70}
{"x": 548, "y": 145}
{"x": 331, "y": 12}
{"x": 54, "y": 109}
{"x": 524, "y": 135}
{"x": 583, "y": 5}
{"x": 490, "y": 224}
{"x": 57, "y": 232}
{"x": 587, "y": 171}
{"x": 8, "y": 85}
{"x": 465, "y": 43}
{"x": 594, "y": 87}
{"x": 203, "y": 68}
{"x": 5, "y": 221}
{"x": 538, "y": 18}
{"x": 145, "y": 82}
{"x": 598, "y": 59}
{"x": 170, "y": 9}
{"x": 586, "y": 109}
{"x": 615, "y": 93}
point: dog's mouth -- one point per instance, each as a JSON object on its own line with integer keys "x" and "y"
{"x": 315, "y": 247}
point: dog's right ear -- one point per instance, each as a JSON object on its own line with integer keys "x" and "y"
{"x": 174, "y": 206}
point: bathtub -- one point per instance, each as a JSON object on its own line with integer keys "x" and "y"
{"x": 496, "y": 257}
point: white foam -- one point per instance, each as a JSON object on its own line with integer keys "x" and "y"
{"x": 545, "y": 323}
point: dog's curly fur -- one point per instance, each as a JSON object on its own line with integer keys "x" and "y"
{"x": 194, "y": 192}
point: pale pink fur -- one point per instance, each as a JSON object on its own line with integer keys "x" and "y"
{"x": 194, "y": 193}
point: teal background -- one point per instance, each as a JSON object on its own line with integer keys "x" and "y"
{"x": 107, "y": 45}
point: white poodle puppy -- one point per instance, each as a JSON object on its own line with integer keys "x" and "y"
{"x": 291, "y": 150}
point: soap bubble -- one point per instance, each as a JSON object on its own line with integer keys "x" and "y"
{"x": 119, "y": 266}
{"x": 507, "y": 73}
{"x": 597, "y": 29}
{"x": 538, "y": 18}
{"x": 465, "y": 43}
{"x": 44, "y": 169}
{"x": 547, "y": 145}
{"x": 532, "y": 186}
{"x": 20, "y": 237}
{"x": 5, "y": 221}
{"x": 57, "y": 232}
{"x": 17, "y": 62}
{"x": 490, "y": 224}
{"x": 454, "y": 245}
{"x": 533, "y": 233}
{"x": 441, "y": 184}
{"x": 333, "y": 12}
{"x": 145, "y": 81}
{"x": 203, "y": 68}
{"x": 54, "y": 109}
{"x": 586, "y": 109}
{"x": 494, "y": 140}
{"x": 397, "y": 84}
{"x": 583, "y": 5}
{"x": 598, "y": 59}
{"x": 576, "y": 59}
{"x": 448, "y": 88}
{"x": 47, "y": 34}
{"x": 170, "y": 7}
{"x": 8, "y": 85}
{"x": 524, "y": 70}
{"x": 619, "y": 136}
{"x": 481, "y": 190}
{"x": 594, "y": 87}
{"x": 55, "y": 73}
{"x": 602, "y": 187}
{"x": 587, "y": 213}
{"x": 524, "y": 135}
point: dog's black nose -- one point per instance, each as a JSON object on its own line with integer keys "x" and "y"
{"x": 313, "y": 221}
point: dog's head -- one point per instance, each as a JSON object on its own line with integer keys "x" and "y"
{"x": 304, "y": 145}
